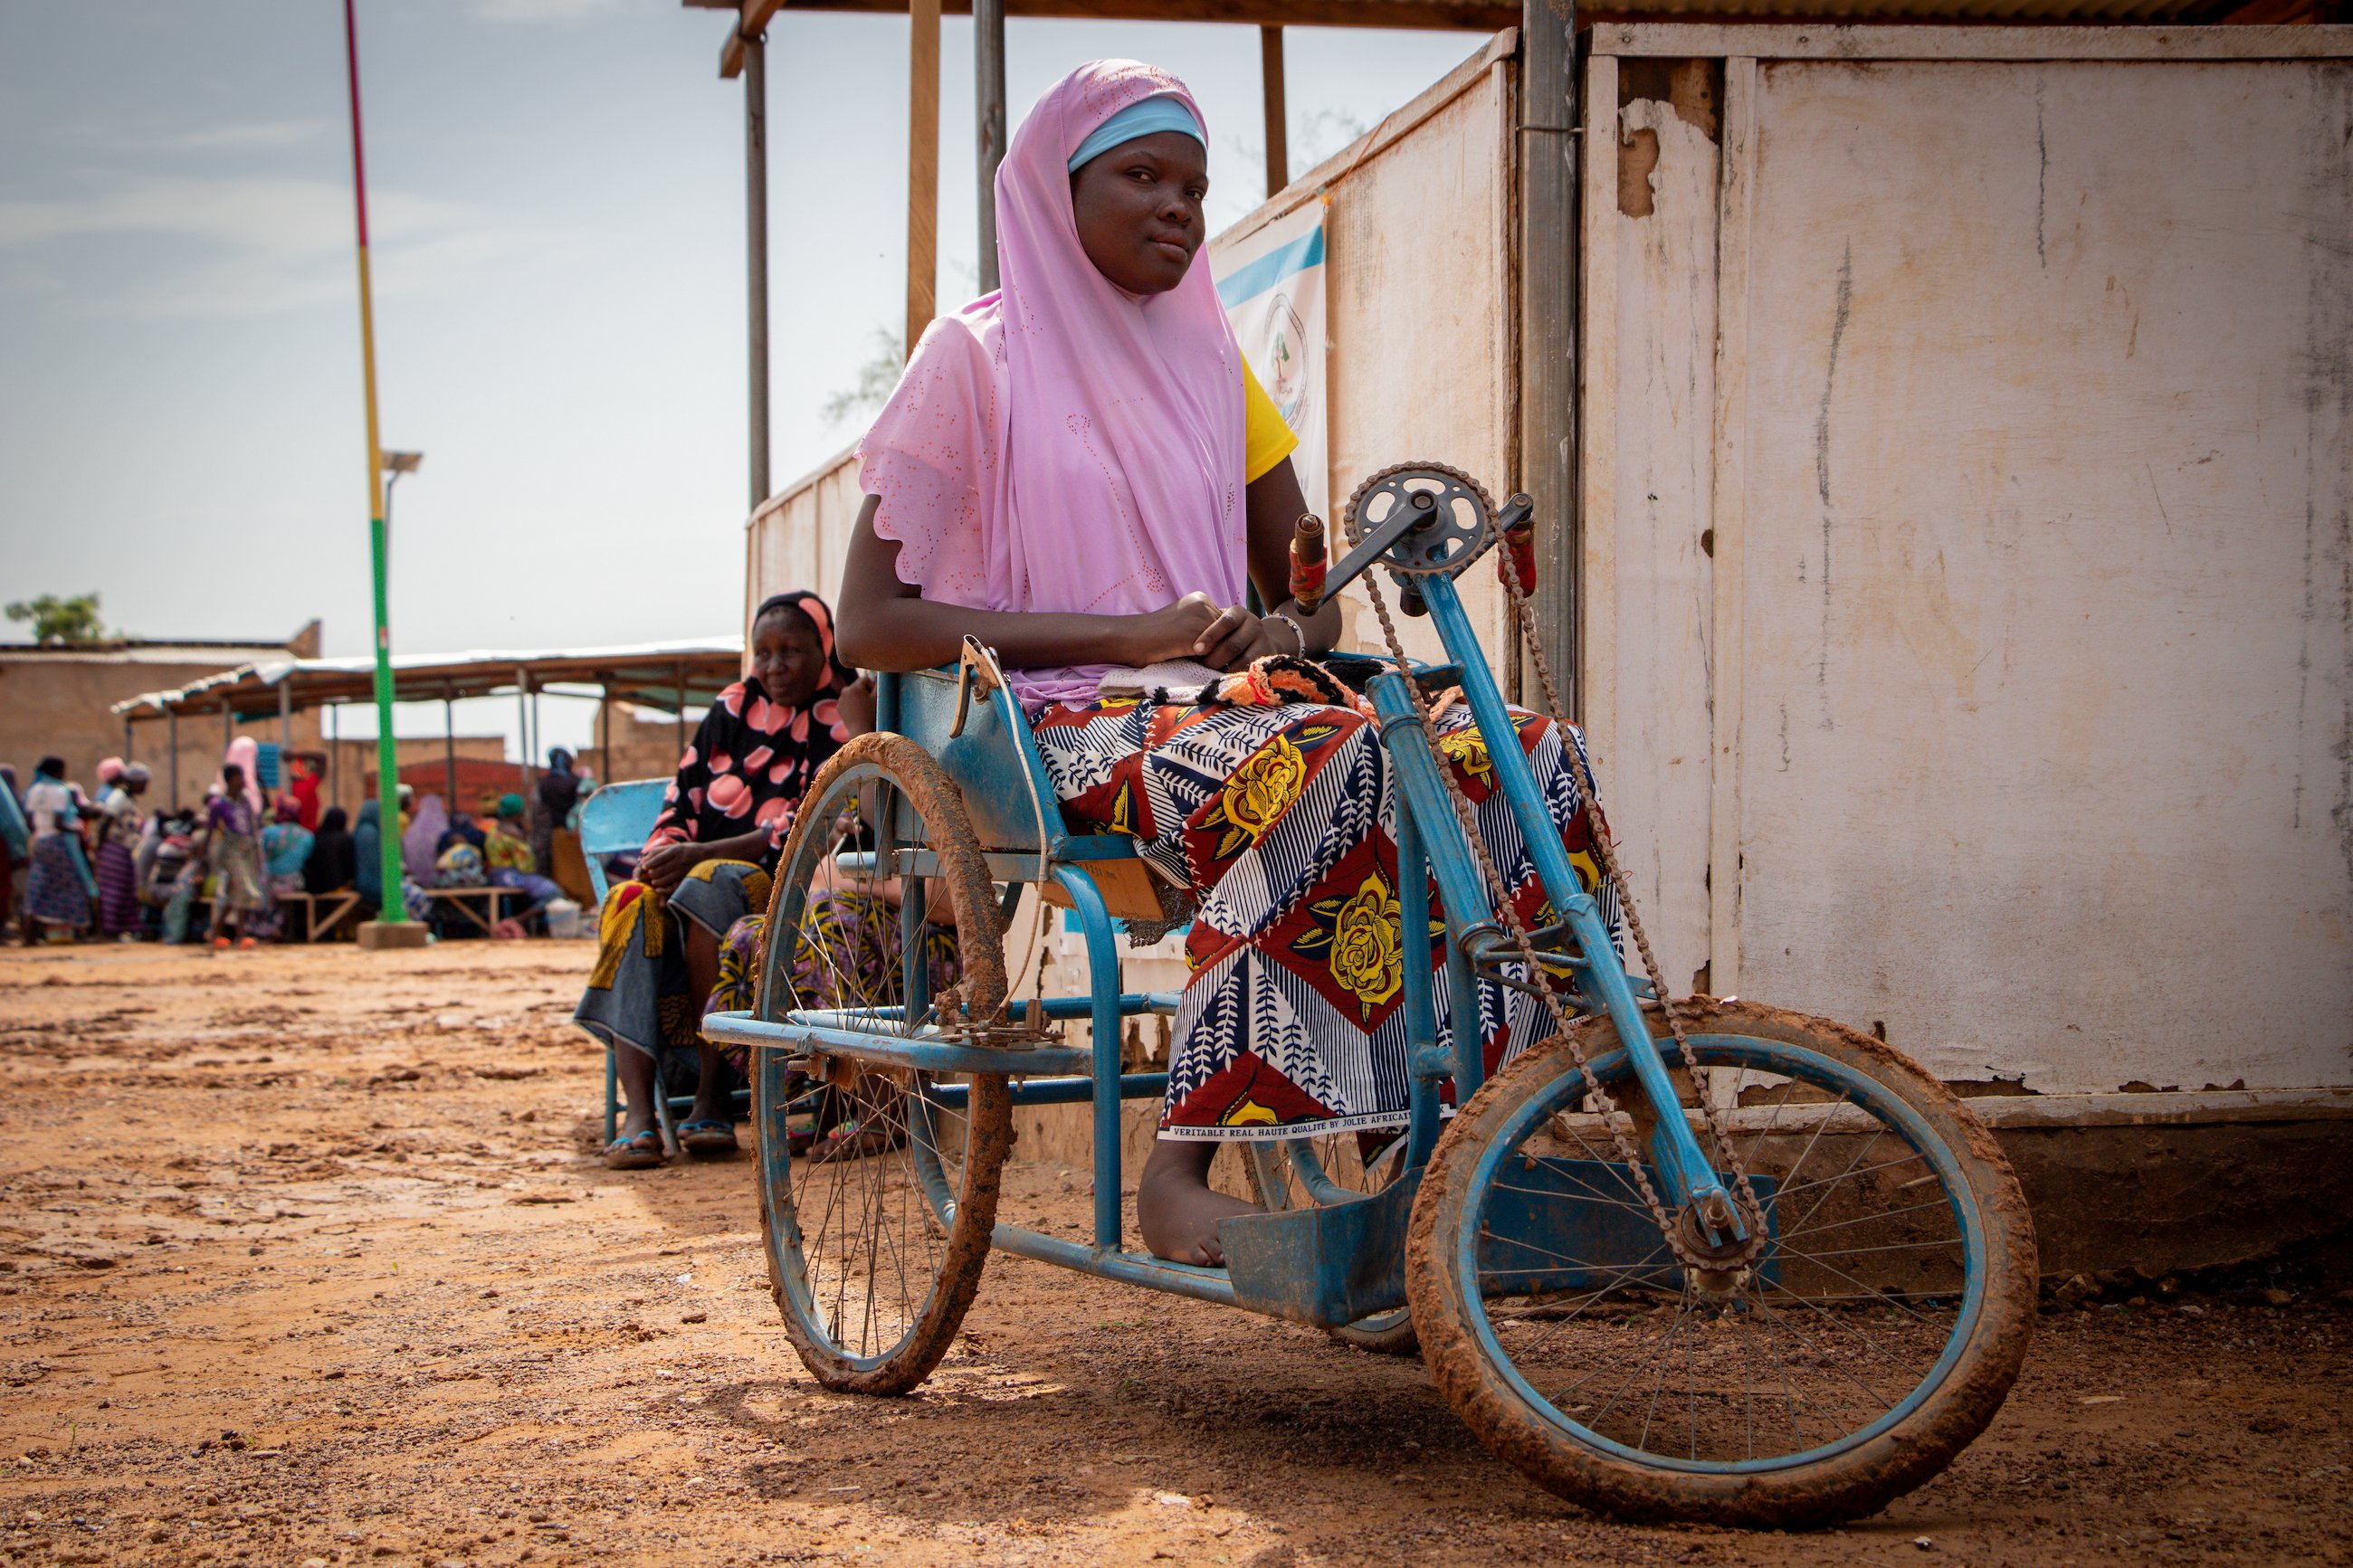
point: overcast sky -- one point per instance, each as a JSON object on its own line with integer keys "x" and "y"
{"x": 557, "y": 195}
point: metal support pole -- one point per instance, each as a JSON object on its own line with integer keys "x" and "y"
{"x": 285, "y": 731}
{"x": 756, "y": 249}
{"x": 130, "y": 751}
{"x": 393, "y": 912}
{"x": 604, "y": 731}
{"x": 172, "y": 742}
{"x": 538, "y": 746}
{"x": 522, "y": 718}
{"x": 922, "y": 165}
{"x": 336, "y": 753}
{"x": 449, "y": 749}
{"x": 1547, "y": 321}
{"x": 228, "y": 730}
{"x": 681, "y": 710}
{"x": 1278, "y": 120}
{"x": 989, "y": 101}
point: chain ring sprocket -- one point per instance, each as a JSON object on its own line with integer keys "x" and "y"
{"x": 1448, "y": 547}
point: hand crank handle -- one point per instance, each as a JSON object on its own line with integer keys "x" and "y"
{"x": 1307, "y": 563}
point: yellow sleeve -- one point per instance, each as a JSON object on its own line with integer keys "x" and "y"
{"x": 1266, "y": 440}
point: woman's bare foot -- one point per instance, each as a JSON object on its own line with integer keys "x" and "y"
{"x": 1175, "y": 1207}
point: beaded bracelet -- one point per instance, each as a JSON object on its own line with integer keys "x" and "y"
{"x": 1296, "y": 630}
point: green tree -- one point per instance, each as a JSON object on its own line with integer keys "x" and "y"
{"x": 66, "y": 621}
{"x": 887, "y": 357}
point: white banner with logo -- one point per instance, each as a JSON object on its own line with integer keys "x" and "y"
{"x": 1272, "y": 286}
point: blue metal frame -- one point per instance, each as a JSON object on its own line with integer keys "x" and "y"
{"x": 973, "y": 724}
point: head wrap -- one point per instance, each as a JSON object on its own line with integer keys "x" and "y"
{"x": 1063, "y": 445}
{"x": 422, "y": 842}
{"x": 509, "y": 805}
{"x": 752, "y": 758}
{"x": 244, "y": 752}
{"x": 813, "y": 610}
{"x": 1142, "y": 118}
{"x": 559, "y": 761}
{"x": 136, "y": 774}
{"x": 288, "y": 809}
{"x": 110, "y": 770}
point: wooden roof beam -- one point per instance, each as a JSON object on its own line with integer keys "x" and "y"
{"x": 752, "y": 22}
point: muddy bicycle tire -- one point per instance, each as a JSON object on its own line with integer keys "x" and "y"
{"x": 875, "y": 1236}
{"x": 1933, "y": 1327}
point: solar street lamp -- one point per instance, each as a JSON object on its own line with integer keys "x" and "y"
{"x": 395, "y": 465}
{"x": 392, "y": 926}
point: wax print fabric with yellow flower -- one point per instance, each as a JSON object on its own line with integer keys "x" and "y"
{"x": 1281, "y": 821}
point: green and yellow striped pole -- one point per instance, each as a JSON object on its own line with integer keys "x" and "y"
{"x": 391, "y": 911}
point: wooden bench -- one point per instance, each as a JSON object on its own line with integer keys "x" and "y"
{"x": 339, "y": 905}
{"x": 463, "y": 900}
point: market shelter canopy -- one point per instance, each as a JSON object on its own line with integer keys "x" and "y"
{"x": 664, "y": 675}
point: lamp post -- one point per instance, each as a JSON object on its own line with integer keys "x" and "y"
{"x": 392, "y": 926}
{"x": 395, "y": 465}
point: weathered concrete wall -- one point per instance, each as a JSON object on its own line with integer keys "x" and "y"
{"x": 1969, "y": 534}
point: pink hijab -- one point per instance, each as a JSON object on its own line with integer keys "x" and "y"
{"x": 246, "y": 752}
{"x": 1062, "y": 445}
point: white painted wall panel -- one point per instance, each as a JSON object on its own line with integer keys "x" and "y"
{"x": 1649, "y": 720}
{"x": 2047, "y": 754}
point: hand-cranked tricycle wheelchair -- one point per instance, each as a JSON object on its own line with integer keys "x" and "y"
{"x": 1695, "y": 1259}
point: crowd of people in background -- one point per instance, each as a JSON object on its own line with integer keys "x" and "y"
{"x": 252, "y": 863}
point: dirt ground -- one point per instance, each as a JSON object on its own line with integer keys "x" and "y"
{"x": 306, "y": 1259}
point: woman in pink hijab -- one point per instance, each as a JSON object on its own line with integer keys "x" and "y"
{"x": 1080, "y": 471}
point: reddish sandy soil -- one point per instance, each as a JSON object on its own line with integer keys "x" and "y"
{"x": 306, "y": 1259}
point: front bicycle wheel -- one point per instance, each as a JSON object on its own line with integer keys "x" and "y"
{"x": 878, "y": 1183}
{"x": 1873, "y": 1338}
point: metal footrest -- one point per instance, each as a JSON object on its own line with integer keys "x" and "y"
{"x": 927, "y": 1054}
{"x": 1329, "y": 1265}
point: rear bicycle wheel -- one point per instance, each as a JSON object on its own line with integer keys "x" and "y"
{"x": 878, "y": 1183}
{"x": 1340, "y": 1167}
{"x": 1876, "y": 1335}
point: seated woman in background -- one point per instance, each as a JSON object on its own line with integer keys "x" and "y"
{"x": 706, "y": 865}
{"x": 331, "y": 866}
{"x": 507, "y": 852}
{"x": 286, "y": 849}
{"x": 367, "y": 856}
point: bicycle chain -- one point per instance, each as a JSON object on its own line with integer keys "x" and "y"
{"x": 1467, "y": 820}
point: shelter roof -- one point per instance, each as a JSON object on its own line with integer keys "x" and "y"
{"x": 651, "y": 675}
{"x": 1486, "y": 15}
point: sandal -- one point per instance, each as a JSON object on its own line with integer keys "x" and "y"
{"x": 641, "y": 1153}
{"x": 708, "y": 1137}
{"x": 850, "y": 1141}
